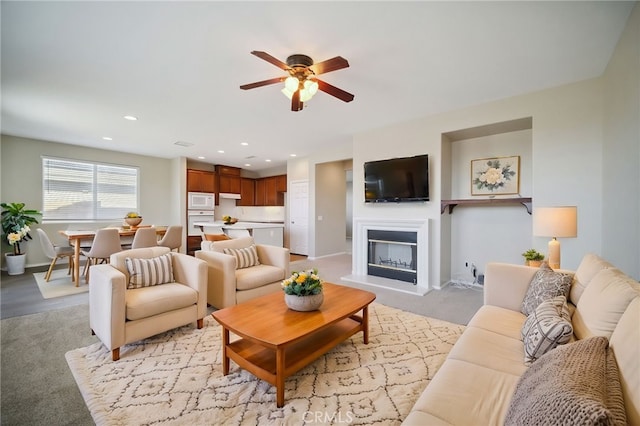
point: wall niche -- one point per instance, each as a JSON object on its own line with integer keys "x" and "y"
{"x": 477, "y": 233}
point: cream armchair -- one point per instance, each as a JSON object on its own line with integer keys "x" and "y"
{"x": 229, "y": 285}
{"x": 119, "y": 315}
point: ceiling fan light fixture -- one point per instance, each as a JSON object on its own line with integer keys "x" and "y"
{"x": 291, "y": 84}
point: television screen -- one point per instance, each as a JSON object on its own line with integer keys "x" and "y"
{"x": 397, "y": 180}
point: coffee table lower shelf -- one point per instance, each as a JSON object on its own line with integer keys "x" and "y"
{"x": 263, "y": 361}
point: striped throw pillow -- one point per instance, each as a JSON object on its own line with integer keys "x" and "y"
{"x": 245, "y": 257}
{"x": 148, "y": 272}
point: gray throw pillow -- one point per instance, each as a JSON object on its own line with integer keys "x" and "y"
{"x": 546, "y": 328}
{"x": 575, "y": 384}
{"x": 545, "y": 284}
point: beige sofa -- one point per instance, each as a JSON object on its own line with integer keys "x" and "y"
{"x": 119, "y": 315}
{"x": 229, "y": 285}
{"x": 477, "y": 381}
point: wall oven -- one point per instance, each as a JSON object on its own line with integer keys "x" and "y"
{"x": 198, "y": 216}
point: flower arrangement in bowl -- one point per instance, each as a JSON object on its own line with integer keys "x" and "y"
{"x": 303, "y": 290}
{"x": 15, "y": 224}
{"x": 228, "y": 220}
{"x": 133, "y": 219}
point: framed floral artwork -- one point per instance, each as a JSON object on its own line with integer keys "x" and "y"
{"x": 495, "y": 176}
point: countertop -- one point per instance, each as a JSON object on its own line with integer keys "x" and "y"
{"x": 241, "y": 225}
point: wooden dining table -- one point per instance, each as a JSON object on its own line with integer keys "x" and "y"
{"x": 76, "y": 237}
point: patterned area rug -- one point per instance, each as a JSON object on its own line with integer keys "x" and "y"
{"x": 176, "y": 378}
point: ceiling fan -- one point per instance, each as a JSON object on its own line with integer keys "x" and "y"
{"x": 302, "y": 84}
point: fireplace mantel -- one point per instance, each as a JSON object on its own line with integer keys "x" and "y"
{"x": 361, "y": 226}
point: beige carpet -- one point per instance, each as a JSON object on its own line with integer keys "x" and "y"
{"x": 175, "y": 378}
{"x": 59, "y": 285}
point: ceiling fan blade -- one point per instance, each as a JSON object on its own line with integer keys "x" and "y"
{"x": 296, "y": 105}
{"x": 329, "y": 65}
{"x": 277, "y": 62}
{"x": 262, "y": 83}
{"x": 334, "y": 91}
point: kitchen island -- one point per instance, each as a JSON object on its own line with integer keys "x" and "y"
{"x": 271, "y": 233}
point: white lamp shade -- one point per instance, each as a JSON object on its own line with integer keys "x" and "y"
{"x": 555, "y": 221}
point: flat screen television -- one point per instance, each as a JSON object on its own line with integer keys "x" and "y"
{"x": 397, "y": 180}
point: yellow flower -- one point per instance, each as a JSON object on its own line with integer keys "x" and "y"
{"x": 301, "y": 278}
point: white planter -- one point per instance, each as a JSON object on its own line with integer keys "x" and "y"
{"x": 304, "y": 303}
{"x": 15, "y": 263}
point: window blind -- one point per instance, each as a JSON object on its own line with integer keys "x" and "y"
{"x": 82, "y": 190}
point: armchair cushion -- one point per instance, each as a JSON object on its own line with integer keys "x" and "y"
{"x": 149, "y": 272}
{"x": 245, "y": 257}
{"x": 258, "y": 276}
{"x": 149, "y": 301}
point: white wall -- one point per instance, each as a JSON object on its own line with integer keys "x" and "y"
{"x": 567, "y": 124}
{"x": 331, "y": 210}
{"x": 22, "y": 182}
{"x": 621, "y": 153}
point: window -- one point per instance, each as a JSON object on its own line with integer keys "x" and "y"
{"x": 82, "y": 190}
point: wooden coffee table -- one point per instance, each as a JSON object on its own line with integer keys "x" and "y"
{"x": 275, "y": 342}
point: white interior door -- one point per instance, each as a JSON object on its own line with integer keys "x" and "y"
{"x": 299, "y": 217}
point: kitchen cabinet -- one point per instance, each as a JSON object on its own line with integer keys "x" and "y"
{"x": 193, "y": 244}
{"x": 270, "y": 191}
{"x": 229, "y": 180}
{"x": 201, "y": 181}
{"x": 259, "y": 198}
{"x": 247, "y": 192}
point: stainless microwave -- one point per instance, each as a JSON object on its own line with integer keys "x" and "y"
{"x": 201, "y": 201}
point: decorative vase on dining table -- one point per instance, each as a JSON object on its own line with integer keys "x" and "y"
{"x": 304, "y": 303}
{"x": 15, "y": 263}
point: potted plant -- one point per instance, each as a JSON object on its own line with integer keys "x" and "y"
{"x": 303, "y": 290}
{"x": 533, "y": 257}
{"x": 15, "y": 229}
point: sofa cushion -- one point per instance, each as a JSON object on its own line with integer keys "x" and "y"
{"x": 627, "y": 353}
{"x": 603, "y": 302}
{"x": 546, "y": 328}
{"x": 148, "y": 272}
{"x": 245, "y": 257}
{"x": 590, "y": 265}
{"x": 576, "y": 384}
{"x": 546, "y": 284}
{"x": 258, "y": 276}
{"x": 149, "y": 301}
{"x": 463, "y": 394}
{"x": 499, "y": 320}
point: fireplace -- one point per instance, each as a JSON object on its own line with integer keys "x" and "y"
{"x": 392, "y": 254}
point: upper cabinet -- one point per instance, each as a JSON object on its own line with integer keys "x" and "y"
{"x": 201, "y": 181}
{"x": 270, "y": 191}
{"x": 247, "y": 192}
{"x": 229, "y": 179}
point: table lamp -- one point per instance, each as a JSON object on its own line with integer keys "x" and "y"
{"x": 555, "y": 222}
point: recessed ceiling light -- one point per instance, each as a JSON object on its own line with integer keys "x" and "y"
{"x": 130, "y": 117}
{"x": 292, "y": 155}
{"x": 200, "y": 157}
{"x": 244, "y": 143}
{"x": 267, "y": 160}
{"x": 183, "y": 143}
{"x": 220, "y": 151}
{"x": 107, "y": 138}
{"x": 247, "y": 165}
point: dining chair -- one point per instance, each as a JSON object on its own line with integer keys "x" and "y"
{"x": 54, "y": 253}
{"x": 172, "y": 238}
{"x": 105, "y": 243}
{"x": 145, "y": 237}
